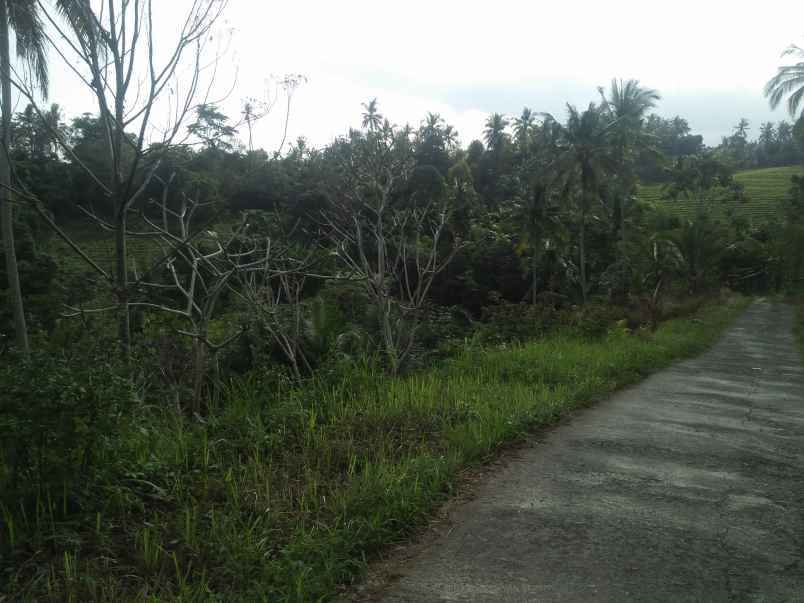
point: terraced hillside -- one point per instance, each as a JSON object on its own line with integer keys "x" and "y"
{"x": 765, "y": 190}
{"x": 99, "y": 246}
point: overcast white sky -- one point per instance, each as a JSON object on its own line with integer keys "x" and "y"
{"x": 466, "y": 59}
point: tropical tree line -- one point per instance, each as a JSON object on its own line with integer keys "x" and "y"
{"x": 774, "y": 144}
{"x": 544, "y": 209}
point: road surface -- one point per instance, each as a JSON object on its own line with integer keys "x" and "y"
{"x": 687, "y": 487}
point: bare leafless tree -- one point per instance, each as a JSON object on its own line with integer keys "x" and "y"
{"x": 197, "y": 266}
{"x": 276, "y": 296}
{"x": 386, "y": 235}
{"x": 113, "y": 48}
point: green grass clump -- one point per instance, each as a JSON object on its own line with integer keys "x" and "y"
{"x": 285, "y": 495}
{"x": 765, "y": 189}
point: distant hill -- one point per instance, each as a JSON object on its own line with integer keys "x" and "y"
{"x": 765, "y": 188}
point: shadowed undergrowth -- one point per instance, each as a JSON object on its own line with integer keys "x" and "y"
{"x": 284, "y": 495}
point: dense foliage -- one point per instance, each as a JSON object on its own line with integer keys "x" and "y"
{"x": 544, "y": 213}
{"x": 228, "y": 374}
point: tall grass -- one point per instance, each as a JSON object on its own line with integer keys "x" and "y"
{"x": 284, "y": 495}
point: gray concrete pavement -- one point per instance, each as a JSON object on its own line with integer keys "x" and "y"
{"x": 687, "y": 487}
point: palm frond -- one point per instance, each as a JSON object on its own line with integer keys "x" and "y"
{"x": 79, "y": 15}
{"x": 23, "y": 18}
{"x": 788, "y": 81}
{"x": 795, "y": 100}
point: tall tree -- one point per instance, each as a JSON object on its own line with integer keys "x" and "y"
{"x": 212, "y": 128}
{"x": 536, "y": 215}
{"x": 523, "y": 129}
{"x": 585, "y": 157}
{"x": 741, "y": 130}
{"x": 706, "y": 182}
{"x": 627, "y": 104}
{"x": 788, "y": 82}
{"x": 767, "y": 134}
{"x": 22, "y": 16}
{"x": 372, "y": 118}
{"x": 115, "y": 50}
{"x": 494, "y": 133}
{"x": 435, "y": 140}
{"x": 784, "y": 132}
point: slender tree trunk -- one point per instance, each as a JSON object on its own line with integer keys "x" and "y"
{"x": 117, "y": 135}
{"x": 6, "y": 213}
{"x": 582, "y": 249}
{"x": 388, "y": 335}
{"x": 199, "y": 373}
{"x": 121, "y": 276}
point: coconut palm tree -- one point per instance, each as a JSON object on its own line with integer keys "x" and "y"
{"x": 372, "y": 119}
{"x": 586, "y": 155}
{"x": 741, "y": 129}
{"x": 788, "y": 82}
{"x": 626, "y": 107}
{"x": 494, "y": 134}
{"x": 31, "y": 43}
{"x": 767, "y": 134}
{"x": 539, "y": 223}
{"x": 784, "y": 132}
{"x": 22, "y": 17}
{"x": 628, "y": 101}
{"x": 523, "y": 127}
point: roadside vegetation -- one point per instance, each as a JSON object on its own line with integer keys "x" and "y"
{"x": 228, "y": 373}
{"x": 799, "y": 325}
{"x": 283, "y": 494}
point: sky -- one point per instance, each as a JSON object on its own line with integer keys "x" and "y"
{"x": 465, "y": 59}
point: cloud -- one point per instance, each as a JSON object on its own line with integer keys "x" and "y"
{"x": 466, "y": 59}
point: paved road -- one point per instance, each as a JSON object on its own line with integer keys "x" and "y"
{"x": 687, "y": 487}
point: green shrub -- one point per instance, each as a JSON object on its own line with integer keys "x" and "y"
{"x": 506, "y": 322}
{"x": 594, "y": 319}
{"x": 54, "y": 412}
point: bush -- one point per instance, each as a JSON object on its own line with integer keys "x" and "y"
{"x": 506, "y": 322}
{"x": 54, "y": 412}
{"x": 594, "y": 319}
{"x": 521, "y": 322}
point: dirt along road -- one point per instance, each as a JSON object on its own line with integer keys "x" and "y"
{"x": 687, "y": 487}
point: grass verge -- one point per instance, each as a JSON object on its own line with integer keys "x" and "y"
{"x": 285, "y": 496}
{"x": 798, "y": 326}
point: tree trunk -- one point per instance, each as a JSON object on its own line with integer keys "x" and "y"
{"x": 582, "y": 249}
{"x": 6, "y": 214}
{"x": 121, "y": 277}
{"x": 199, "y": 374}
{"x": 391, "y": 353}
{"x": 587, "y": 182}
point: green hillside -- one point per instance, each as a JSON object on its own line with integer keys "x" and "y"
{"x": 98, "y": 245}
{"x": 765, "y": 190}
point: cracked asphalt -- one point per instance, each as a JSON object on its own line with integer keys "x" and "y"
{"x": 687, "y": 487}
